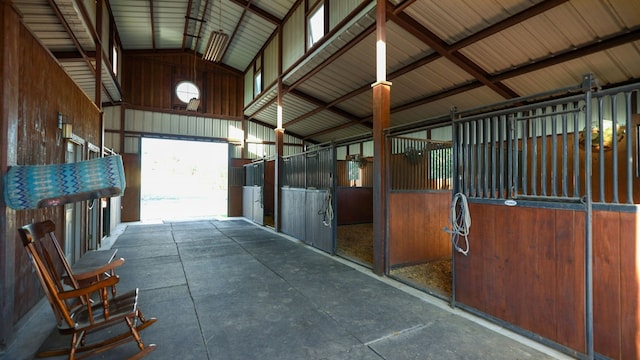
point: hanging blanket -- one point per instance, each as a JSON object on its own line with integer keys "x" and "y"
{"x": 36, "y": 186}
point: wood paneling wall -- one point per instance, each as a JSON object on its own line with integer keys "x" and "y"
{"x": 44, "y": 90}
{"x": 354, "y": 205}
{"x": 616, "y": 271}
{"x": 149, "y": 82}
{"x": 131, "y": 198}
{"x": 415, "y": 230}
{"x": 526, "y": 267}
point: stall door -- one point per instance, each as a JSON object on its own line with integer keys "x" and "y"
{"x": 319, "y": 202}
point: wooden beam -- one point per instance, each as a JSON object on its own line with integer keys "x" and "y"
{"x": 440, "y": 46}
{"x": 153, "y": 25}
{"x": 258, "y": 11}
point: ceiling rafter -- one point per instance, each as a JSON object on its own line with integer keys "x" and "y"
{"x": 258, "y": 11}
{"x": 482, "y": 34}
{"x": 588, "y": 49}
{"x": 186, "y": 24}
{"x": 440, "y": 46}
{"x": 320, "y": 105}
{"x": 153, "y": 25}
{"x": 512, "y": 20}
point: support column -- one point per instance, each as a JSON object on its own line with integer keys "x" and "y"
{"x": 381, "y": 121}
{"x": 277, "y": 194}
{"x": 9, "y": 70}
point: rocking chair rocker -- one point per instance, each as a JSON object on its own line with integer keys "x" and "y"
{"x": 82, "y": 303}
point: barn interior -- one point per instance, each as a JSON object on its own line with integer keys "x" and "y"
{"x": 352, "y": 126}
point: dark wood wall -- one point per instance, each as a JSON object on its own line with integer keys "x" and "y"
{"x": 526, "y": 267}
{"x": 415, "y": 230}
{"x": 44, "y": 90}
{"x": 354, "y": 205}
{"x": 149, "y": 81}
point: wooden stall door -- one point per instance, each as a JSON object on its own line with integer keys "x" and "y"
{"x": 131, "y": 197}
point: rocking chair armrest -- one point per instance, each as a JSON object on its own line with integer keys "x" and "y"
{"x": 84, "y": 291}
{"x": 106, "y": 268}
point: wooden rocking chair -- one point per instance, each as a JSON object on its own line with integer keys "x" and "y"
{"x": 85, "y": 303}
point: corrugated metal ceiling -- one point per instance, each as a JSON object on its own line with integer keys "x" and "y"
{"x": 462, "y": 53}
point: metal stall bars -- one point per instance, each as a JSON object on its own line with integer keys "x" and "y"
{"x": 307, "y": 179}
{"x": 253, "y": 191}
{"x": 531, "y": 153}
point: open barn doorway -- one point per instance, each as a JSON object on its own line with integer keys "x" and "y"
{"x": 419, "y": 199}
{"x": 183, "y": 179}
{"x": 354, "y": 202}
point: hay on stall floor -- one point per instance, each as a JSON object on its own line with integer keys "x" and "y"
{"x": 434, "y": 275}
{"x": 356, "y": 242}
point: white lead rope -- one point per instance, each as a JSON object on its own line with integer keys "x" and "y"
{"x": 460, "y": 222}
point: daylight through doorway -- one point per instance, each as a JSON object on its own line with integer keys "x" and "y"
{"x": 183, "y": 179}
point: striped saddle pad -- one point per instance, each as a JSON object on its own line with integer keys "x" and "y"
{"x": 37, "y": 186}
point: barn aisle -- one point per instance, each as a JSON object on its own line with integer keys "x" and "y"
{"x": 228, "y": 289}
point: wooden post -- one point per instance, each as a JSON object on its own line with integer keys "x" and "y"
{"x": 9, "y": 70}
{"x": 381, "y": 121}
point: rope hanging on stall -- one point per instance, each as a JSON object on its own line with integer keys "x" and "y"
{"x": 327, "y": 210}
{"x": 460, "y": 220}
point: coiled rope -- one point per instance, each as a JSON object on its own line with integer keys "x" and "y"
{"x": 327, "y": 211}
{"x": 460, "y": 220}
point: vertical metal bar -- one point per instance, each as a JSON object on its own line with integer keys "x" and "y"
{"x": 534, "y": 155}
{"x": 525, "y": 157}
{"x": 494, "y": 163}
{"x": 554, "y": 153}
{"x": 514, "y": 178}
{"x": 576, "y": 152}
{"x": 486, "y": 145}
{"x": 511, "y": 164}
{"x": 463, "y": 159}
{"x": 565, "y": 153}
{"x": 588, "y": 227}
{"x": 501, "y": 152}
{"x": 543, "y": 156}
{"x": 601, "y": 148}
{"x": 630, "y": 140}
{"x": 614, "y": 147}
{"x": 456, "y": 189}
{"x": 472, "y": 158}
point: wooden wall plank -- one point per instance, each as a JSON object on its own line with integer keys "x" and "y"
{"x": 415, "y": 227}
{"x": 569, "y": 273}
{"x": 606, "y": 292}
{"x": 354, "y": 205}
{"x": 524, "y": 267}
{"x": 629, "y": 287}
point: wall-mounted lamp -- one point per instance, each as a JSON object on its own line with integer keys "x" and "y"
{"x": 193, "y": 104}
{"x": 65, "y": 128}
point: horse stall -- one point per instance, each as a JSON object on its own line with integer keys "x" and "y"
{"x": 354, "y": 201}
{"x": 258, "y": 192}
{"x": 419, "y": 198}
{"x": 552, "y": 187}
{"x": 307, "y": 197}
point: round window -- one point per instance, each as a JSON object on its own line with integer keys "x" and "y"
{"x": 186, "y": 90}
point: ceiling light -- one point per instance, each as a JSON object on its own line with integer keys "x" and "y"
{"x": 215, "y": 47}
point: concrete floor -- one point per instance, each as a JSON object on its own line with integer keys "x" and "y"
{"x": 228, "y": 289}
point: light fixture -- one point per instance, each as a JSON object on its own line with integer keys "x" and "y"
{"x": 217, "y": 41}
{"x": 215, "y": 47}
{"x": 193, "y": 104}
{"x": 66, "y": 129}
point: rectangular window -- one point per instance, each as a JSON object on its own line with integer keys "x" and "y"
{"x": 258, "y": 82}
{"x": 114, "y": 60}
{"x": 315, "y": 26}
